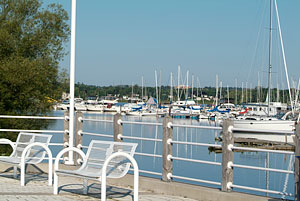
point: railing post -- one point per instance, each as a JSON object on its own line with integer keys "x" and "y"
{"x": 297, "y": 162}
{"x": 66, "y": 133}
{"x": 167, "y": 169}
{"x": 227, "y": 155}
{"x": 78, "y": 136}
{"x": 117, "y": 127}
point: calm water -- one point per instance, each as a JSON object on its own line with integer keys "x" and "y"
{"x": 245, "y": 177}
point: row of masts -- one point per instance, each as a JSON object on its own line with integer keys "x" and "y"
{"x": 246, "y": 93}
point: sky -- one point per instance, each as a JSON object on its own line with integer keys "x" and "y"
{"x": 119, "y": 42}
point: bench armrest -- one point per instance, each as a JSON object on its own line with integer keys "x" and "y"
{"x": 7, "y": 141}
{"x": 44, "y": 146}
{"x": 59, "y": 155}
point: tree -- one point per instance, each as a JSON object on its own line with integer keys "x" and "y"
{"x": 32, "y": 41}
{"x": 31, "y": 46}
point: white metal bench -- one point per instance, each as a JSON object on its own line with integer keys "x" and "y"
{"x": 103, "y": 159}
{"x": 30, "y": 148}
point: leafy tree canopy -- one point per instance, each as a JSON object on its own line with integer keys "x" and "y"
{"x": 32, "y": 41}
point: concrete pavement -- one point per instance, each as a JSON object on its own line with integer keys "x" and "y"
{"x": 70, "y": 189}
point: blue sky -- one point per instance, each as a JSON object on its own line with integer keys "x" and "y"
{"x": 118, "y": 42}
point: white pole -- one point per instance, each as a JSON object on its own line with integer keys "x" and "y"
{"x": 72, "y": 82}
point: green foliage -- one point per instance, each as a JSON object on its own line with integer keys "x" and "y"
{"x": 31, "y": 45}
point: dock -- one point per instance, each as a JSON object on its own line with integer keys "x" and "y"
{"x": 70, "y": 189}
{"x": 255, "y": 143}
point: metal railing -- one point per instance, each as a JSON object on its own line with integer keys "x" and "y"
{"x": 167, "y": 141}
{"x": 65, "y": 118}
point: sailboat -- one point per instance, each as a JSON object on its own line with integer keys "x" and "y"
{"x": 266, "y": 127}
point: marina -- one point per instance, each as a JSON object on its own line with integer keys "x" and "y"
{"x": 67, "y": 136}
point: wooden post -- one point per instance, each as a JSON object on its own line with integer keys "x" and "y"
{"x": 66, "y": 133}
{"x": 227, "y": 155}
{"x": 117, "y": 127}
{"x": 78, "y": 136}
{"x": 296, "y": 164}
{"x": 167, "y": 149}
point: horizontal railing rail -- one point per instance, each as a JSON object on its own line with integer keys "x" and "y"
{"x": 197, "y": 144}
{"x": 139, "y": 138}
{"x": 33, "y": 131}
{"x": 196, "y": 180}
{"x": 141, "y": 123}
{"x": 194, "y": 126}
{"x": 261, "y": 168}
{"x": 98, "y": 120}
{"x": 30, "y": 117}
{"x": 97, "y": 134}
{"x": 195, "y": 160}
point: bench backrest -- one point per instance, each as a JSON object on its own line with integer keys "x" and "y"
{"x": 99, "y": 151}
{"x": 36, "y": 153}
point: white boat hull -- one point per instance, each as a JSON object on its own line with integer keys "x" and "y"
{"x": 276, "y": 125}
{"x": 97, "y": 108}
{"x": 262, "y": 130}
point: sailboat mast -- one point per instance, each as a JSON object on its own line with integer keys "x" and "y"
{"x": 171, "y": 88}
{"x": 270, "y": 57}
{"x": 198, "y": 90}
{"x": 156, "y": 87}
{"x": 236, "y": 92}
{"x": 192, "y": 87}
{"x": 216, "y": 90}
{"x": 246, "y": 90}
{"x": 227, "y": 94}
{"x": 178, "y": 81}
{"x": 187, "y": 85}
{"x": 142, "y": 88}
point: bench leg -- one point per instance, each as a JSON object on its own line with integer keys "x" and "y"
{"x": 85, "y": 186}
{"x": 23, "y": 170}
{"x": 55, "y": 185}
{"x": 15, "y": 171}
